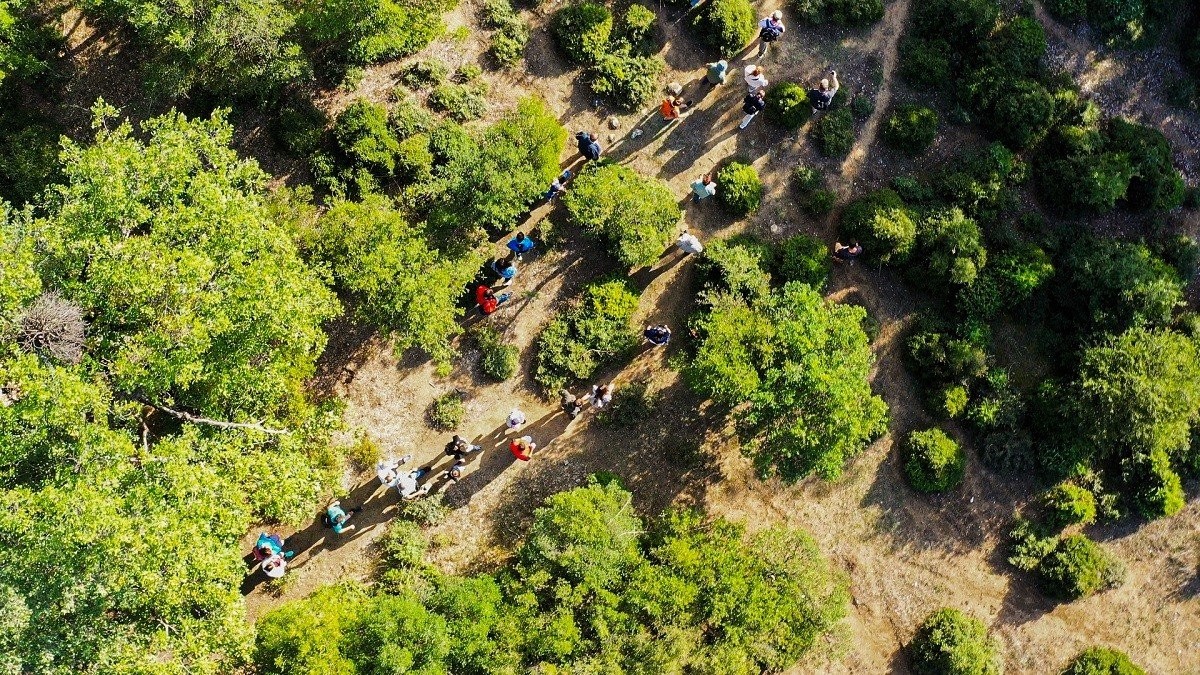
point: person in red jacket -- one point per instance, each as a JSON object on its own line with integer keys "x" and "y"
{"x": 522, "y": 448}
{"x": 489, "y": 301}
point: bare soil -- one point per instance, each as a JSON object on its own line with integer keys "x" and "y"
{"x": 906, "y": 554}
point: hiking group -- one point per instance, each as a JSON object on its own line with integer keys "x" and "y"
{"x": 269, "y": 551}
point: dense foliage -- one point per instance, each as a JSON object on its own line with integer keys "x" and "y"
{"x": 806, "y": 420}
{"x": 949, "y": 642}
{"x": 788, "y": 105}
{"x": 592, "y": 588}
{"x": 725, "y": 25}
{"x": 881, "y": 222}
{"x": 840, "y": 12}
{"x": 934, "y": 462}
{"x": 834, "y": 132}
{"x": 619, "y": 58}
{"x": 635, "y": 215}
{"x": 589, "y": 334}
{"x": 1102, "y": 661}
{"x": 121, "y": 553}
{"x": 911, "y": 128}
{"x": 739, "y": 188}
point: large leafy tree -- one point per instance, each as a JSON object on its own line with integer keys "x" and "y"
{"x": 800, "y": 365}
{"x": 636, "y": 216}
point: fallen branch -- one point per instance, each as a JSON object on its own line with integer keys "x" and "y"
{"x": 220, "y": 424}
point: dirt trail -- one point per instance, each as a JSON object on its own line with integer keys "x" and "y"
{"x": 906, "y": 554}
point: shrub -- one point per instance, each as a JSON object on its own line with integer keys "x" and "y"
{"x": 739, "y": 189}
{"x": 1018, "y": 112}
{"x": 362, "y": 134}
{"x": 726, "y": 25}
{"x": 1069, "y": 10}
{"x": 408, "y": 118}
{"x": 497, "y": 360}
{"x": 820, "y": 202}
{"x": 446, "y": 411}
{"x": 801, "y": 258}
{"x": 949, "y": 642}
{"x": 29, "y": 161}
{"x": 1018, "y": 46}
{"x": 592, "y": 332}
{"x": 638, "y": 28}
{"x": 834, "y": 133}
{"x": 1068, "y": 504}
{"x": 1102, "y": 661}
{"x": 806, "y": 179}
{"x": 1079, "y": 567}
{"x": 951, "y": 250}
{"x": 1029, "y": 544}
{"x": 965, "y": 24}
{"x": 788, "y": 105}
{"x": 300, "y": 127}
{"x": 911, "y": 128}
{"x": 934, "y": 462}
{"x": 882, "y": 224}
{"x": 841, "y": 12}
{"x": 1155, "y": 183}
{"x": 632, "y": 405}
{"x": 1009, "y": 279}
{"x": 371, "y": 31}
{"x": 1124, "y": 22}
{"x": 861, "y": 106}
{"x": 1151, "y": 484}
{"x": 426, "y": 511}
{"x": 423, "y": 74}
{"x": 460, "y": 102}
{"x": 1107, "y": 285}
{"x": 925, "y": 62}
{"x": 952, "y": 401}
{"x": 511, "y": 34}
{"x": 582, "y": 31}
{"x": 635, "y": 215}
{"x": 733, "y": 267}
{"x": 630, "y": 82}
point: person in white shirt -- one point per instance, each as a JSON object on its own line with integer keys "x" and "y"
{"x": 601, "y": 395}
{"x": 770, "y": 29}
{"x": 408, "y": 485}
{"x": 386, "y": 471}
{"x": 689, "y": 244}
{"x": 703, "y": 187}
{"x": 516, "y": 418}
{"x": 755, "y": 78}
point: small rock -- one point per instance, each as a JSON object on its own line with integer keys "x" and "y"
{"x": 612, "y": 137}
{"x": 614, "y": 123}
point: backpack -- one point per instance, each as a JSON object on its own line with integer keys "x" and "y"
{"x": 325, "y": 520}
{"x": 770, "y": 33}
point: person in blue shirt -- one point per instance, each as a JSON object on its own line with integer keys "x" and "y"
{"x": 269, "y": 545}
{"x": 505, "y": 268}
{"x": 337, "y": 518}
{"x": 588, "y": 147}
{"x": 521, "y": 244}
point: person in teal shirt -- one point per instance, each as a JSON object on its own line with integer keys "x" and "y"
{"x": 716, "y": 72}
{"x": 337, "y": 517}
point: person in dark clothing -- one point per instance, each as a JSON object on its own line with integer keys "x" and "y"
{"x": 752, "y": 105}
{"x": 657, "y": 335}
{"x": 844, "y": 253}
{"x": 822, "y": 98}
{"x": 570, "y": 403}
{"x": 458, "y": 448}
{"x": 588, "y": 147}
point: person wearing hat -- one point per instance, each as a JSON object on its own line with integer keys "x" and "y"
{"x": 770, "y": 29}
{"x": 755, "y": 78}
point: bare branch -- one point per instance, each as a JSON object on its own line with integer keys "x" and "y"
{"x": 54, "y": 327}
{"x": 220, "y": 424}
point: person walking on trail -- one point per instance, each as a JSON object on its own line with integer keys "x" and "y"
{"x": 703, "y": 187}
{"x": 822, "y": 98}
{"x": 409, "y": 485}
{"x": 846, "y": 253}
{"x": 770, "y": 29}
{"x": 601, "y": 395}
{"x": 753, "y": 104}
{"x": 505, "y": 269}
{"x": 521, "y": 244}
{"x": 658, "y": 335}
{"x": 269, "y": 545}
{"x": 488, "y": 301}
{"x": 588, "y": 147}
{"x": 558, "y": 186}
{"x": 456, "y": 472}
{"x": 570, "y": 403}
{"x": 672, "y": 107}
{"x": 516, "y": 418}
{"x": 522, "y": 448}
{"x": 689, "y": 244}
{"x": 388, "y": 472}
{"x": 337, "y": 518}
{"x": 275, "y": 566}
{"x": 717, "y": 72}
{"x": 755, "y": 78}
{"x": 459, "y": 448}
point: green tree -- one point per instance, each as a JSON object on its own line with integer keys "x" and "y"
{"x": 399, "y": 281}
{"x": 934, "y": 461}
{"x": 592, "y": 332}
{"x": 810, "y": 419}
{"x": 635, "y": 215}
{"x": 1078, "y": 567}
{"x": 1108, "y": 285}
{"x": 950, "y": 252}
{"x": 725, "y": 25}
{"x": 882, "y": 223}
{"x": 949, "y": 642}
{"x": 360, "y": 32}
{"x": 1102, "y": 661}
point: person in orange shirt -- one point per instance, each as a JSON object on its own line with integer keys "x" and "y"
{"x": 672, "y": 108}
{"x": 522, "y": 448}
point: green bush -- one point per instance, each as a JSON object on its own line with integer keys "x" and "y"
{"x": 925, "y": 62}
{"x": 1009, "y": 279}
{"x": 963, "y": 23}
{"x": 460, "y": 102}
{"x": 409, "y": 118}
{"x": 1155, "y": 184}
{"x": 952, "y": 401}
{"x": 1070, "y": 10}
{"x": 511, "y": 34}
{"x": 806, "y": 179}
{"x": 934, "y": 461}
{"x": 638, "y": 28}
{"x": 1079, "y": 567}
{"x": 788, "y": 105}
{"x": 726, "y": 25}
{"x": 497, "y": 360}
{"x": 840, "y": 12}
{"x": 414, "y": 160}
{"x": 1151, "y": 484}
{"x": 446, "y": 411}
{"x": 949, "y": 251}
{"x": 582, "y": 31}
{"x": 300, "y": 127}
{"x": 1029, "y": 544}
{"x": 834, "y": 133}
{"x": 911, "y": 128}
{"x": 820, "y": 202}
{"x": 800, "y": 258}
{"x": 632, "y": 404}
{"x": 630, "y": 82}
{"x": 949, "y": 642}
{"x": 424, "y": 74}
{"x": 362, "y": 134}
{"x": 882, "y": 224}
{"x": 1125, "y": 23}
{"x": 739, "y": 189}
{"x": 1108, "y": 285}
{"x": 371, "y": 31}
{"x": 1018, "y": 46}
{"x": 593, "y": 331}
{"x": 1102, "y": 661}
{"x": 635, "y": 215}
{"x": 1068, "y": 504}
{"x": 1018, "y": 112}
{"x": 733, "y": 267}
{"x": 29, "y": 161}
